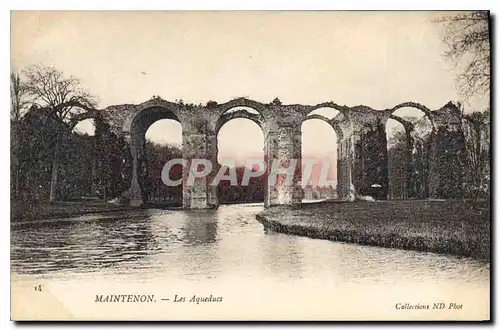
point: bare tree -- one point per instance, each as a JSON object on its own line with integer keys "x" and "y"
{"x": 18, "y": 104}
{"x": 468, "y": 38}
{"x": 62, "y": 97}
{"x": 477, "y": 145}
{"x": 18, "y": 100}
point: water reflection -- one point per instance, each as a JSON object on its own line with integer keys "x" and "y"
{"x": 223, "y": 243}
{"x": 81, "y": 243}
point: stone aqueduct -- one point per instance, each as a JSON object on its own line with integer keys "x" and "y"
{"x": 281, "y": 125}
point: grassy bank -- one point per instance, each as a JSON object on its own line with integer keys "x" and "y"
{"x": 450, "y": 227}
{"x": 33, "y": 210}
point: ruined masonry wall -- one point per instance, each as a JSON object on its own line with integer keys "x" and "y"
{"x": 358, "y": 129}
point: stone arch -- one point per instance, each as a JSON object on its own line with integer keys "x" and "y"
{"x": 239, "y": 142}
{"x": 235, "y": 109}
{"x": 343, "y": 128}
{"x": 243, "y": 102}
{"x": 401, "y": 120}
{"x": 240, "y": 113}
{"x": 218, "y": 115}
{"x": 262, "y": 116}
{"x": 135, "y": 127}
{"x": 313, "y": 184}
{"x": 334, "y": 122}
{"x": 330, "y": 104}
{"x": 427, "y": 112}
{"x": 403, "y": 187}
{"x": 78, "y": 118}
{"x": 151, "y": 111}
{"x": 341, "y": 122}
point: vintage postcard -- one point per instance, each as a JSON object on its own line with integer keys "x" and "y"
{"x": 250, "y": 166}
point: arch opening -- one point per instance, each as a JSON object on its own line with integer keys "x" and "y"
{"x": 163, "y": 142}
{"x": 396, "y": 159}
{"x": 407, "y": 132}
{"x": 327, "y": 112}
{"x": 240, "y": 161}
{"x": 319, "y": 160}
{"x": 156, "y": 137}
{"x": 242, "y": 108}
{"x": 240, "y": 112}
{"x": 85, "y": 127}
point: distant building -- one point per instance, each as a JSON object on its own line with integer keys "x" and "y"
{"x": 319, "y": 192}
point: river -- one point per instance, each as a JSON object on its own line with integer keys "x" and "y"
{"x": 228, "y": 250}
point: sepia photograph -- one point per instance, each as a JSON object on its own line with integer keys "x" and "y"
{"x": 250, "y": 165}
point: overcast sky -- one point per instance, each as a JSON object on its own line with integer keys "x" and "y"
{"x": 378, "y": 59}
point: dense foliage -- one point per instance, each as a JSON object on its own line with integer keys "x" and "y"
{"x": 89, "y": 166}
{"x": 253, "y": 192}
{"x": 461, "y": 158}
{"x": 156, "y": 157}
{"x": 370, "y": 165}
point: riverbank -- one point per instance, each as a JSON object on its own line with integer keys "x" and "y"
{"x": 33, "y": 210}
{"x": 449, "y": 227}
